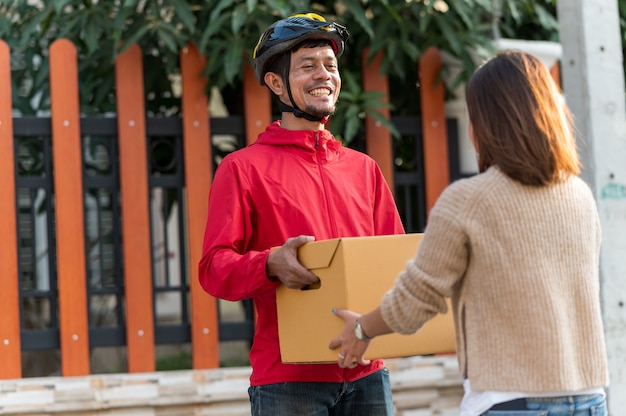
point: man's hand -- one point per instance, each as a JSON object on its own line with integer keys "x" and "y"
{"x": 283, "y": 264}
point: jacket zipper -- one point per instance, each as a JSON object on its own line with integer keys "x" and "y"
{"x": 329, "y": 212}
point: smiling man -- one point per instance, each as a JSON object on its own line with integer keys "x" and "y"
{"x": 296, "y": 183}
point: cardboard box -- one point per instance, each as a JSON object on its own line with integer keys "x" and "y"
{"x": 354, "y": 273}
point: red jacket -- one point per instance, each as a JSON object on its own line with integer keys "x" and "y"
{"x": 287, "y": 183}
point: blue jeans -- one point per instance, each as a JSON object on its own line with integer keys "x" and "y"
{"x": 369, "y": 396}
{"x": 584, "y": 405}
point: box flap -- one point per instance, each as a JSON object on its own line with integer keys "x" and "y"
{"x": 318, "y": 255}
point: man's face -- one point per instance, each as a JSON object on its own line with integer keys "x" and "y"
{"x": 314, "y": 80}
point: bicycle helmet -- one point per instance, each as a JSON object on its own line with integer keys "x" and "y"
{"x": 284, "y": 34}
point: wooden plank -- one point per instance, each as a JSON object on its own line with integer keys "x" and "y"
{"x": 257, "y": 105}
{"x": 378, "y": 142}
{"x": 198, "y": 175}
{"x": 10, "y": 345}
{"x": 135, "y": 210}
{"x": 69, "y": 211}
{"x": 435, "y": 135}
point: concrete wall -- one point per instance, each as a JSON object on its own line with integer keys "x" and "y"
{"x": 422, "y": 386}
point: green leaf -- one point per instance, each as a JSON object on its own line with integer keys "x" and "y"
{"x": 251, "y": 5}
{"x": 183, "y": 12}
{"x": 59, "y": 5}
{"x": 463, "y": 10}
{"x": 123, "y": 14}
{"x": 41, "y": 76}
{"x": 233, "y": 60}
{"x": 32, "y": 25}
{"x": 5, "y": 27}
{"x": 352, "y": 126}
{"x": 166, "y": 37}
{"x": 347, "y": 96}
{"x": 411, "y": 50}
{"x": 374, "y": 99}
{"x": 355, "y": 112}
{"x": 513, "y": 10}
{"x": 216, "y": 12}
{"x": 91, "y": 35}
{"x": 384, "y": 121}
{"x": 449, "y": 34}
{"x": 280, "y": 9}
{"x": 69, "y": 28}
{"x": 424, "y": 21}
{"x": 240, "y": 15}
{"x": 358, "y": 13}
{"x": 350, "y": 81}
{"x": 211, "y": 30}
{"x": 545, "y": 18}
{"x": 133, "y": 38}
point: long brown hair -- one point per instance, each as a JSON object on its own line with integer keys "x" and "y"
{"x": 520, "y": 122}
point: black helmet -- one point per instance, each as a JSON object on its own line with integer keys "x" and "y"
{"x": 284, "y": 34}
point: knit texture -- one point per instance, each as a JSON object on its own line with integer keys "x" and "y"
{"x": 521, "y": 266}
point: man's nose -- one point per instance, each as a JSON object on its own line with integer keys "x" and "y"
{"x": 322, "y": 72}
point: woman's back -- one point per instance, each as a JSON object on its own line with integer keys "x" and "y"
{"x": 528, "y": 305}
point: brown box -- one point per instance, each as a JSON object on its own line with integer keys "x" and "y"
{"x": 355, "y": 273}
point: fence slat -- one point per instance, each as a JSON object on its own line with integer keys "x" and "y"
{"x": 435, "y": 136}
{"x": 69, "y": 211}
{"x": 135, "y": 210}
{"x": 198, "y": 175}
{"x": 257, "y": 105}
{"x": 377, "y": 137}
{"x": 10, "y": 363}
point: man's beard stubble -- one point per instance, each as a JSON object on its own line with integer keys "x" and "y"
{"x": 320, "y": 111}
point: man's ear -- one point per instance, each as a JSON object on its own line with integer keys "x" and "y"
{"x": 274, "y": 82}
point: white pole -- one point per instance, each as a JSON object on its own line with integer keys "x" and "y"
{"x": 593, "y": 84}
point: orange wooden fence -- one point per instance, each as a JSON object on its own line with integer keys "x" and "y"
{"x": 132, "y": 141}
{"x": 68, "y": 197}
{"x": 9, "y": 296}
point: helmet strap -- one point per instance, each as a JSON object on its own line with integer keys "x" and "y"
{"x": 294, "y": 108}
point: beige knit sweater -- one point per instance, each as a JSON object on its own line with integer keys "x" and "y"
{"x": 521, "y": 266}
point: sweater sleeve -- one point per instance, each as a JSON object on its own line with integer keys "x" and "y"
{"x": 419, "y": 291}
{"x": 227, "y": 269}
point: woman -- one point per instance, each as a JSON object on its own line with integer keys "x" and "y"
{"x": 516, "y": 248}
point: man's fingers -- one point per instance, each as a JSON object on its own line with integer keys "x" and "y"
{"x": 296, "y": 242}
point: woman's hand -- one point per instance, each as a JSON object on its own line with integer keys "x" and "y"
{"x": 351, "y": 349}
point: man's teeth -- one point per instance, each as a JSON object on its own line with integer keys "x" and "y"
{"x": 319, "y": 92}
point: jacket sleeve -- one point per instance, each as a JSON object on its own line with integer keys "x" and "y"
{"x": 386, "y": 217}
{"x": 227, "y": 269}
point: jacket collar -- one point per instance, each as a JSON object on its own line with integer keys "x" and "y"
{"x": 312, "y": 141}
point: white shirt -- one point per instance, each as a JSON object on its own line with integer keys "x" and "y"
{"x": 475, "y": 403}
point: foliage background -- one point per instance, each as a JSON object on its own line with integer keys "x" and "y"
{"x": 226, "y": 31}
